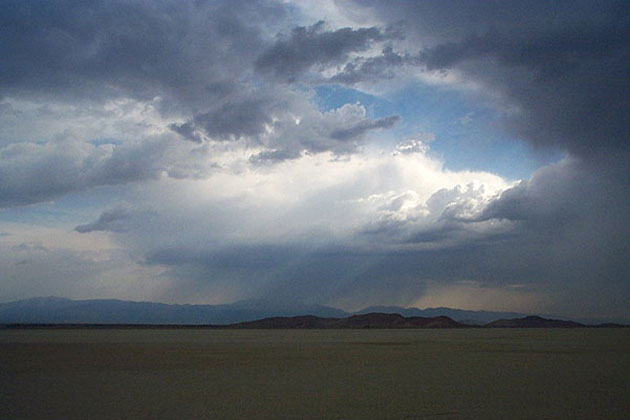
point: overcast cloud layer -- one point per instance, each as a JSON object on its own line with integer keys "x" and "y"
{"x": 183, "y": 152}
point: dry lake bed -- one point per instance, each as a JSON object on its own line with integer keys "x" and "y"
{"x": 315, "y": 374}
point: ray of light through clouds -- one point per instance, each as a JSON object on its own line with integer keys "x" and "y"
{"x": 463, "y": 154}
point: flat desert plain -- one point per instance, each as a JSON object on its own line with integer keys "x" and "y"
{"x": 315, "y": 374}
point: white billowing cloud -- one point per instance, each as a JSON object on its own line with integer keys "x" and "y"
{"x": 247, "y": 229}
{"x": 418, "y": 144}
{"x": 316, "y": 198}
{"x": 195, "y": 232}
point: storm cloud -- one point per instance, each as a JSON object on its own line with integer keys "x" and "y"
{"x": 263, "y": 150}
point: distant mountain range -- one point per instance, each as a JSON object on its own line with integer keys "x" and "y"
{"x": 56, "y": 310}
{"x": 254, "y": 314}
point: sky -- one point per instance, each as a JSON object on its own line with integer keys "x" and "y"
{"x": 349, "y": 153}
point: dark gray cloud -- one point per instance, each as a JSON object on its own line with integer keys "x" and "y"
{"x": 375, "y": 68}
{"x": 363, "y": 127}
{"x": 117, "y": 219}
{"x": 311, "y": 46}
{"x": 187, "y": 53}
{"x": 562, "y": 67}
{"x": 187, "y": 130}
{"x": 270, "y": 156}
{"x": 573, "y": 89}
{"x": 573, "y": 194}
{"x": 340, "y": 131}
{"x": 230, "y": 120}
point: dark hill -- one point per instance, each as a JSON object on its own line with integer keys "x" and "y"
{"x": 371, "y": 320}
{"x": 283, "y": 322}
{"x": 533, "y": 322}
{"x": 459, "y": 315}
